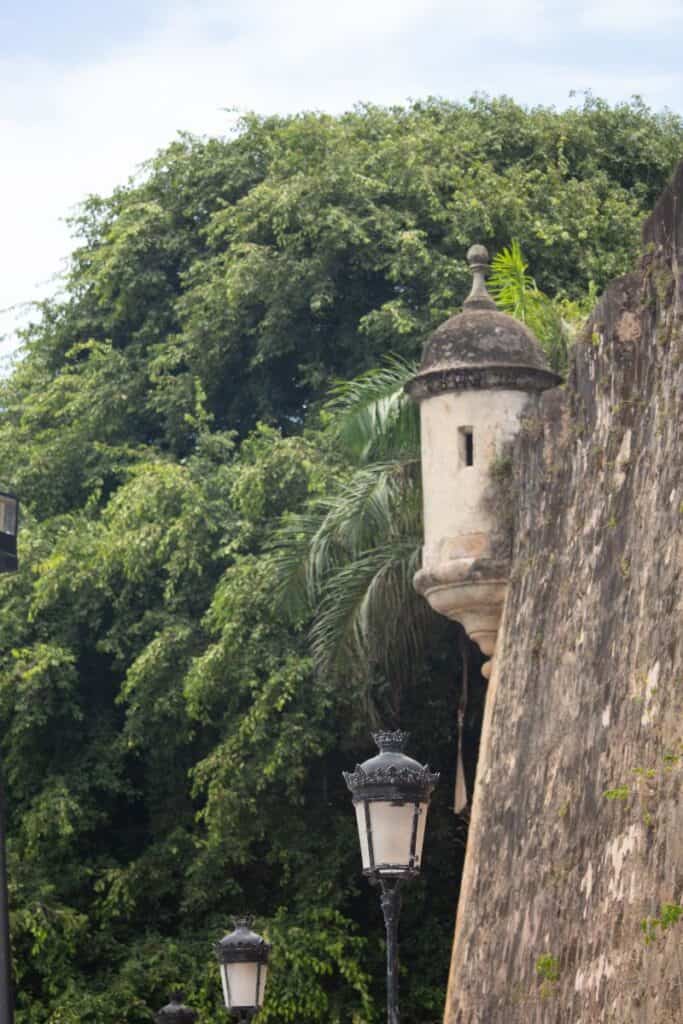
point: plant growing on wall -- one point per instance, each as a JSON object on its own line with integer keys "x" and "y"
{"x": 517, "y": 293}
{"x": 548, "y": 970}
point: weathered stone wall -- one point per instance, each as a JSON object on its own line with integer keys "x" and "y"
{"x": 586, "y": 695}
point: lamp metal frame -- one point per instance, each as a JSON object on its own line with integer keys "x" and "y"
{"x": 246, "y": 947}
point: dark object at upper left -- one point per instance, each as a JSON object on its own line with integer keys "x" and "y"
{"x": 9, "y": 523}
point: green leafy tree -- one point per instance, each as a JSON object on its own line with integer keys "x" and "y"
{"x": 171, "y": 741}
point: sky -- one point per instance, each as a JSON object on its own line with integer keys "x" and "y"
{"x": 88, "y": 91}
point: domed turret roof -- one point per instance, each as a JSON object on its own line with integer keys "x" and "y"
{"x": 481, "y": 347}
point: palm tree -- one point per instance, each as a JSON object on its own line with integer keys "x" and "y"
{"x": 351, "y": 556}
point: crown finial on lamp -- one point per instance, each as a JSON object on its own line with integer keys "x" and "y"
{"x": 479, "y": 298}
{"x": 176, "y": 1012}
{"x": 242, "y": 921}
{"x": 391, "y": 741}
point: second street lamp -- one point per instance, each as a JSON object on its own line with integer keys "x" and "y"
{"x": 176, "y": 1012}
{"x": 243, "y": 959}
{"x": 391, "y": 794}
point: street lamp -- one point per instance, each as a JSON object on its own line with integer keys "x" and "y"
{"x": 391, "y": 795}
{"x": 176, "y": 1012}
{"x": 243, "y": 959}
{"x": 9, "y": 522}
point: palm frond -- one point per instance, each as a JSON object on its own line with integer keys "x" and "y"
{"x": 363, "y": 599}
{"x": 516, "y": 292}
{"x": 292, "y": 547}
{"x": 371, "y": 416}
{"x": 368, "y": 506}
{"x": 375, "y": 503}
{"x": 509, "y": 283}
{"x": 349, "y": 559}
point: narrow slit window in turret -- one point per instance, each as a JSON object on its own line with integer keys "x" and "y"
{"x": 467, "y": 446}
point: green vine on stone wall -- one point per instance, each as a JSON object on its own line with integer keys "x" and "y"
{"x": 548, "y": 969}
{"x": 669, "y": 914}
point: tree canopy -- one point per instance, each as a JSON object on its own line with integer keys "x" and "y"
{"x": 171, "y": 743}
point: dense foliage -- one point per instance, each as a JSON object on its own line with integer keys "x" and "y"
{"x": 172, "y": 753}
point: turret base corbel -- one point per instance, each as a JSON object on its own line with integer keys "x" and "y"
{"x": 471, "y": 592}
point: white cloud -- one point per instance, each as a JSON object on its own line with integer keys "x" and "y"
{"x": 632, "y": 16}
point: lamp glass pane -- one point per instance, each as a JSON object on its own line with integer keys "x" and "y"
{"x": 262, "y": 986}
{"x": 224, "y": 983}
{"x": 392, "y": 831}
{"x": 8, "y": 515}
{"x": 363, "y": 836}
{"x": 242, "y": 984}
{"x": 420, "y": 838}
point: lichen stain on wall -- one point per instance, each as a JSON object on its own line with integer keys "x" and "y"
{"x": 576, "y": 840}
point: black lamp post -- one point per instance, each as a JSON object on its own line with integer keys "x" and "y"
{"x": 391, "y": 794}
{"x": 9, "y": 522}
{"x": 243, "y": 959}
{"x": 176, "y": 1012}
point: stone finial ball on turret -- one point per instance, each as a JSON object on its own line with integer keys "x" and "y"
{"x": 480, "y": 371}
{"x": 478, "y": 259}
{"x": 477, "y": 254}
